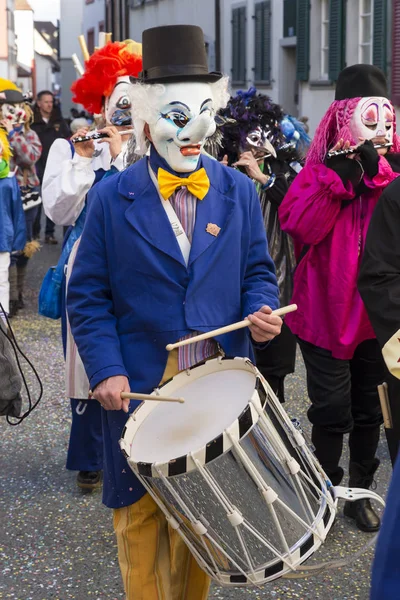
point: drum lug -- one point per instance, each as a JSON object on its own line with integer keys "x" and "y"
{"x": 173, "y": 522}
{"x": 269, "y": 495}
{"x": 235, "y": 518}
{"x": 199, "y": 528}
{"x": 293, "y": 466}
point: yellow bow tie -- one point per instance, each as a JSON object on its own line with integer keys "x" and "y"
{"x": 197, "y": 183}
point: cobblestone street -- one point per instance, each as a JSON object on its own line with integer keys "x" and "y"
{"x": 57, "y": 543}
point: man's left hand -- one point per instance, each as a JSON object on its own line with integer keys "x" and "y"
{"x": 264, "y": 325}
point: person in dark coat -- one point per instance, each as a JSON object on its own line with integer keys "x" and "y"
{"x": 379, "y": 286}
{"x": 253, "y": 141}
{"x": 49, "y": 126}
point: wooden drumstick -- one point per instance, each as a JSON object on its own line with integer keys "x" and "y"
{"x": 135, "y": 396}
{"x": 385, "y": 406}
{"x": 233, "y": 327}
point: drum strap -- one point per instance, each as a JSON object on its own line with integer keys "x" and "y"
{"x": 176, "y": 225}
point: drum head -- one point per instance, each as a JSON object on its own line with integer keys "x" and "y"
{"x": 215, "y": 393}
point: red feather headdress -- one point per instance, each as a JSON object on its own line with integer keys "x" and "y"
{"x": 101, "y": 73}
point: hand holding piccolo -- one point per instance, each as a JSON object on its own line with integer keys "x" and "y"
{"x": 98, "y": 136}
{"x": 228, "y": 328}
{"x": 353, "y": 150}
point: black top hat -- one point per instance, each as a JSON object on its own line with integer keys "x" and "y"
{"x": 175, "y": 53}
{"x": 360, "y": 81}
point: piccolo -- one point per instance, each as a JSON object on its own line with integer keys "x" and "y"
{"x": 333, "y": 153}
{"x": 98, "y": 136}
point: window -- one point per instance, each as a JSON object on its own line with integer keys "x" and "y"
{"x": 90, "y": 41}
{"x": 289, "y": 18}
{"x": 239, "y": 45}
{"x": 262, "y": 42}
{"x": 101, "y": 26}
{"x": 324, "y": 71}
{"x": 365, "y": 31}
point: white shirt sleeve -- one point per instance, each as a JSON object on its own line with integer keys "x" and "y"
{"x": 118, "y": 163}
{"x": 66, "y": 182}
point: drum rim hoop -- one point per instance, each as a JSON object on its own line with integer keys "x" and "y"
{"x": 214, "y": 448}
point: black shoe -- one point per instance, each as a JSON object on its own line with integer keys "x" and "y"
{"x": 20, "y": 302}
{"x": 13, "y": 309}
{"x": 49, "y": 239}
{"x": 88, "y": 480}
{"x": 364, "y": 515}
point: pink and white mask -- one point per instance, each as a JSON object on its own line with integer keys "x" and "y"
{"x": 13, "y": 113}
{"x": 373, "y": 119}
{"x": 118, "y": 105}
{"x": 185, "y": 119}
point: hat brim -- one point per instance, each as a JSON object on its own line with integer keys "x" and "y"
{"x": 11, "y": 97}
{"x": 203, "y": 77}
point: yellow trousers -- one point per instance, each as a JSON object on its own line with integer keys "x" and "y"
{"x": 155, "y": 563}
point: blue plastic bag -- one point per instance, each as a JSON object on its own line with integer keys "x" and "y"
{"x": 50, "y": 295}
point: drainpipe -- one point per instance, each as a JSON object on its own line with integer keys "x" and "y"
{"x": 217, "y": 7}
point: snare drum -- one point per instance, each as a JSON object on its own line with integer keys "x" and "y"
{"x": 231, "y": 473}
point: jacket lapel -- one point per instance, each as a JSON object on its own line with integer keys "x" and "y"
{"x": 214, "y": 209}
{"x": 146, "y": 214}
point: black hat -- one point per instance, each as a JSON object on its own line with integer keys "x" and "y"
{"x": 361, "y": 81}
{"x": 11, "y": 97}
{"x": 175, "y": 53}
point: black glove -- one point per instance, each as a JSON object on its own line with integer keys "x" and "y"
{"x": 348, "y": 169}
{"x": 369, "y": 158}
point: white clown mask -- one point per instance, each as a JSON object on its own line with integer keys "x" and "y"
{"x": 185, "y": 120}
{"x": 13, "y": 113}
{"x": 118, "y": 104}
{"x": 373, "y": 119}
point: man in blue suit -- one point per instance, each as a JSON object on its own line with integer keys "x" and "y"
{"x": 175, "y": 245}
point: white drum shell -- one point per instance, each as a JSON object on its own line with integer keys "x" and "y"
{"x": 252, "y": 503}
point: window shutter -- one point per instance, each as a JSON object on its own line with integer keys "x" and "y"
{"x": 396, "y": 52}
{"x": 380, "y": 34}
{"x": 262, "y": 41}
{"x": 337, "y": 38}
{"x": 303, "y": 40}
{"x": 239, "y": 45}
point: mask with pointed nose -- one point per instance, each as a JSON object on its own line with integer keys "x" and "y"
{"x": 185, "y": 119}
{"x": 373, "y": 119}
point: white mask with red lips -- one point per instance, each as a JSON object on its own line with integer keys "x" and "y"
{"x": 373, "y": 118}
{"x": 13, "y": 113}
{"x": 185, "y": 118}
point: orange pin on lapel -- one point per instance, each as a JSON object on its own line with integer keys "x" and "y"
{"x": 213, "y": 229}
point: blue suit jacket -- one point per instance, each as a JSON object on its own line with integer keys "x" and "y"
{"x": 130, "y": 292}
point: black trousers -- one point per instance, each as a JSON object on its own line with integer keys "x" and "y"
{"x": 344, "y": 399}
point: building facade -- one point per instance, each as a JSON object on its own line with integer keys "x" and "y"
{"x": 94, "y": 14}
{"x": 71, "y": 27}
{"x": 293, "y": 50}
{"x": 8, "y": 47}
{"x": 24, "y": 31}
{"x": 152, "y": 13}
